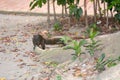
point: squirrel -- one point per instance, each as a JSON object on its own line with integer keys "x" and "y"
{"x": 40, "y": 40}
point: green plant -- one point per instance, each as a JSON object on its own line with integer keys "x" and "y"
{"x": 57, "y": 26}
{"x": 77, "y": 48}
{"x": 113, "y": 62}
{"x": 58, "y": 77}
{"x": 75, "y": 11}
{"x": 65, "y": 39}
{"x": 93, "y": 45}
{"x": 102, "y": 63}
{"x": 37, "y": 3}
{"x": 117, "y": 17}
{"x": 52, "y": 63}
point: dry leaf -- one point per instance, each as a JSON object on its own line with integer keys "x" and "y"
{"x": 46, "y": 78}
{"x": 77, "y": 73}
{"x": 19, "y": 60}
{"x": 15, "y": 50}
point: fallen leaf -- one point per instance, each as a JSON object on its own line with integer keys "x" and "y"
{"x": 77, "y": 73}
{"x": 6, "y": 39}
{"x": 22, "y": 41}
{"x": 46, "y": 78}
{"x": 15, "y": 50}
{"x": 19, "y": 60}
{"x": 2, "y": 50}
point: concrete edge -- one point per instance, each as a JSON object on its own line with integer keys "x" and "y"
{"x": 26, "y": 13}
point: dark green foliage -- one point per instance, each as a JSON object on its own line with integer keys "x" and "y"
{"x": 100, "y": 66}
{"x": 102, "y": 63}
{"x": 114, "y": 4}
{"x": 61, "y": 2}
{"x": 75, "y": 11}
{"x": 36, "y": 3}
{"x": 117, "y": 17}
{"x": 70, "y": 2}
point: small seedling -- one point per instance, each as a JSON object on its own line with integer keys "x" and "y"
{"x": 77, "y": 48}
{"x": 93, "y": 45}
{"x": 100, "y": 66}
{"x": 102, "y": 63}
{"x": 65, "y": 39}
{"x": 58, "y": 77}
{"x": 57, "y": 26}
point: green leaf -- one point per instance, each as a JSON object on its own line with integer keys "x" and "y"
{"x": 111, "y": 64}
{"x": 69, "y": 47}
{"x": 44, "y": 1}
{"x": 40, "y": 3}
{"x": 74, "y": 57}
{"x": 58, "y": 77}
{"x": 82, "y": 42}
{"x": 33, "y": 5}
{"x": 101, "y": 58}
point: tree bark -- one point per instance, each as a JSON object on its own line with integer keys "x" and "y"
{"x": 104, "y": 9}
{"x": 107, "y": 22}
{"x": 48, "y": 7}
{"x": 99, "y": 8}
{"x": 85, "y": 8}
{"x": 62, "y": 10}
{"x": 94, "y": 5}
{"x": 66, "y": 9}
{"x": 54, "y": 10}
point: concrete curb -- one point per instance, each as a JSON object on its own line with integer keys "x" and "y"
{"x": 26, "y": 13}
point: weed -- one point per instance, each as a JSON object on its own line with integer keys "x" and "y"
{"x": 93, "y": 45}
{"x": 77, "y": 48}
{"x": 65, "y": 39}
{"x": 102, "y": 63}
{"x": 58, "y": 77}
{"x": 57, "y": 26}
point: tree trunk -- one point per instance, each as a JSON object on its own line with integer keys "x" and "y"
{"x": 107, "y": 22}
{"x": 111, "y": 13}
{"x": 104, "y": 9}
{"x": 62, "y": 10}
{"x": 99, "y": 8}
{"x": 85, "y": 8}
{"x": 66, "y": 9}
{"x": 48, "y": 15}
{"x": 94, "y": 5}
{"x": 54, "y": 10}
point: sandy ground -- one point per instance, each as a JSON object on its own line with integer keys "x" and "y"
{"x": 16, "y": 47}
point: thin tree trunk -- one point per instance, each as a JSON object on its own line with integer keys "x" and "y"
{"x": 111, "y": 13}
{"x": 85, "y": 8}
{"x": 66, "y": 9}
{"x": 94, "y": 5}
{"x": 54, "y": 10}
{"x": 62, "y": 10}
{"x": 48, "y": 17}
{"x": 104, "y": 9}
{"x": 99, "y": 8}
{"x": 107, "y": 22}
